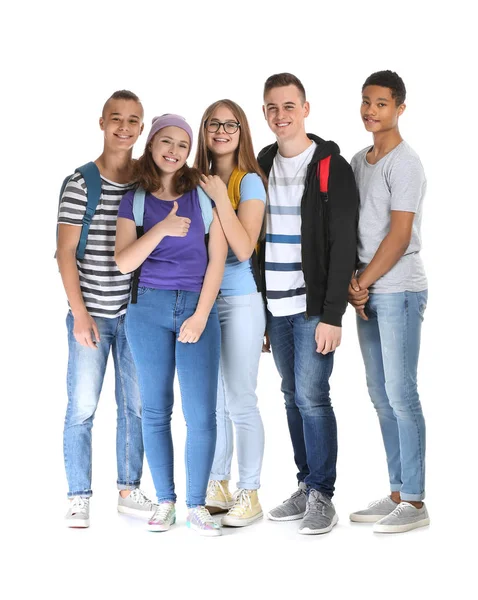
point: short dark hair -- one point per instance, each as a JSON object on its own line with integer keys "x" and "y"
{"x": 283, "y": 80}
{"x": 391, "y": 80}
{"x": 121, "y": 95}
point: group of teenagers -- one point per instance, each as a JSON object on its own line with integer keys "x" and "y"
{"x": 196, "y": 270}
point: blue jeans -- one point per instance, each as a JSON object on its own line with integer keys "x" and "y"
{"x": 305, "y": 384}
{"x": 86, "y": 371}
{"x": 152, "y": 327}
{"x": 390, "y": 344}
{"x": 243, "y": 323}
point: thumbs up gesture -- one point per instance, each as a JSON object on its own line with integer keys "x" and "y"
{"x": 175, "y": 226}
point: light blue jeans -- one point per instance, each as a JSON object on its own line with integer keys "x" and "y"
{"x": 390, "y": 344}
{"x": 86, "y": 371}
{"x": 243, "y": 323}
{"x": 152, "y": 327}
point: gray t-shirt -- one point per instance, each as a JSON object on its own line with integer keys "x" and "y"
{"x": 395, "y": 182}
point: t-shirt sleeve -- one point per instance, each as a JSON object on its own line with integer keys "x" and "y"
{"x": 125, "y": 209}
{"x": 73, "y": 201}
{"x": 407, "y": 184}
{"x": 252, "y": 188}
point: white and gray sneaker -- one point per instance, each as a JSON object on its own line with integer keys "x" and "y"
{"x": 320, "y": 515}
{"x": 404, "y": 518}
{"x": 375, "y": 511}
{"x": 291, "y": 509}
{"x": 137, "y": 504}
{"x": 78, "y": 514}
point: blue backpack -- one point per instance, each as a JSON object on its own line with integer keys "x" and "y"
{"x": 92, "y": 177}
{"x": 138, "y": 213}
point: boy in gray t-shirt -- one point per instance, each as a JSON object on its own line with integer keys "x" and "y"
{"x": 389, "y": 293}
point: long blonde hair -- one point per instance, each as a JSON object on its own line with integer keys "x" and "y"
{"x": 244, "y": 156}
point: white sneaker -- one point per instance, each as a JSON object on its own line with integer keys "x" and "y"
{"x": 78, "y": 514}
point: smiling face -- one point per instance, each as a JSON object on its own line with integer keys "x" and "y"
{"x": 170, "y": 149}
{"x": 122, "y": 123}
{"x": 379, "y": 110}
{"x": 221, "y": 142}
{"x": 285, "y": 111}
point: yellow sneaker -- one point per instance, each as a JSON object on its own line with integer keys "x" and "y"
{"x": 245, "y": 511}
{"x": 218, "y": 496}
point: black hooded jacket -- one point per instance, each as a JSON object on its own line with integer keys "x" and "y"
{"x": 328, "y": 232}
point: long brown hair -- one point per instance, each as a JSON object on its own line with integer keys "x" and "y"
{"x": 244, "y": 156}
{"x": 147, "y": 174}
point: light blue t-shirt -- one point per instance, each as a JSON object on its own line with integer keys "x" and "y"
{"x": 238, "y": 277}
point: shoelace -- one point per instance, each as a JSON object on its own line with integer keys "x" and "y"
{"x": 79, "y": 504}
{"x": 213, "y": 487}
{"x": 378, "y": 502}
{"x": 138, "y": 496}
{"x": 400, "y": 508}
{"x": 162, "y": 512}
{"x": 203, "y": 516}
{"x": 242, "y": 501}
{"x": 295, "y": 495}
{"x": 316, "y": 504}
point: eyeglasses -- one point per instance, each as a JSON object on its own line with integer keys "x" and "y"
{"x": 228, "y": 126}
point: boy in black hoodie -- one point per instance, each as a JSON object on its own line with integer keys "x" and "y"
{"x": 306, "y": 263}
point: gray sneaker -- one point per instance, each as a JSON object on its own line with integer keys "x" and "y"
{"x": 78, "y": 514}
{"x": 136, "y": 504}
{"x": 291, "y": 509}
{"x": 375, "y": 511}
{"x": 404, "y": 518}
{"x": 320, "y": 515}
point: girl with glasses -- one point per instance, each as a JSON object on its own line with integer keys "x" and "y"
{"x": 174, "y": 323}
{"x": 233, "y": 179}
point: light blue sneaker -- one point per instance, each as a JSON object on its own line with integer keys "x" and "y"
{"x": 199, "y": 519}
{"x": 164, "y": 516}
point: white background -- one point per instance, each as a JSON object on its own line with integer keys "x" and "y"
{"x": 60, "y": 61}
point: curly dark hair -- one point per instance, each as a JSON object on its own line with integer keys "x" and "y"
{"x": 391, "y": 80}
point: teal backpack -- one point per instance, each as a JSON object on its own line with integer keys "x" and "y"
{"x": 138, "y": 214}
{"x": 92, "y": 177}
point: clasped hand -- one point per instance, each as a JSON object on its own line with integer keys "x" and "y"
{"x": 358, "y": 298}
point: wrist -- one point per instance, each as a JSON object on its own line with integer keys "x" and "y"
{"x": 78, "y": 311}
{"x": 201, "y": 314}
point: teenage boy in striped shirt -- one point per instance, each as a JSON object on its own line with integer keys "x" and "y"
{"x": 307, "y": 260}
{"x": 98, "y": 296}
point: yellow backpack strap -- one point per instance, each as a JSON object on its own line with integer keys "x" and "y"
{"x": 234, "y": 187}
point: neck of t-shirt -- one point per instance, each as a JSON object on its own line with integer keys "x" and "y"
{"x": 295, "y": 147}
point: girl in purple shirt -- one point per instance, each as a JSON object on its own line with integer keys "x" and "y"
{"x": 174, "y": 324}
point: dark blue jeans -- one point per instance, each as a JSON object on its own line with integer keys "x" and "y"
{"x": 305, "y": 384}
{"x": 152, "y": 328}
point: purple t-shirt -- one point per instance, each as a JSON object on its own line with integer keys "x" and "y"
{"x": 177, "y": 263}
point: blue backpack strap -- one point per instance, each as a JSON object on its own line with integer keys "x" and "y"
{"x": 92, "y": 177}
{"x": 138, "y": 206}
{"x": 138, "y": 214}
{"x": 206, "y": 208}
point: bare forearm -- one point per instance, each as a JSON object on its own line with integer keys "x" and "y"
{"x": 388, "y": 254}
{"x": 71, "y": 280}
{"x": 211, "y": 285}
{"x": 130, "y": 258}
{"x": 236, "y": 235}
